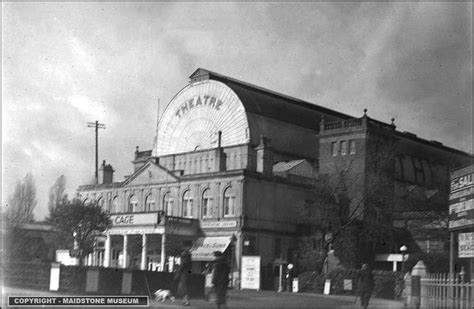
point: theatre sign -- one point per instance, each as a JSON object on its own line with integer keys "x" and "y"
{"x": 461, "y": 206}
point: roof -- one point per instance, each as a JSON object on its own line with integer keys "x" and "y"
{"x": 268, "y": 103}
{"x": 286, "y": 165}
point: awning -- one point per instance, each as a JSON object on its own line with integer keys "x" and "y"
{"x": 204, "y": 247}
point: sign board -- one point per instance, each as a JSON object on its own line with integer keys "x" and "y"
{"x": 466, "y": 245}
{"x": 250, "y": 273}
{"x": 63, "y": 257}
{"x": 347, "y": 284}
{"x": 327, "y": 287}
{"x": 295, "y": 285}
{"x": 204, "y": 247}
{"x": 131, "y": 219}
{"x": 218, "y": 224}
{"x": 461, "y": 199}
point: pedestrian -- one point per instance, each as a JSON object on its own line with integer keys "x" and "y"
{"x": 365, "y": 285}
{"x": 220, "y": 278}
{"x": 182, "y": 277}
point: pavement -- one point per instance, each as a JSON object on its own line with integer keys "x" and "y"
{"x": 241, "y": 299}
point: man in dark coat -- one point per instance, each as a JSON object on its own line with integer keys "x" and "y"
{"x": 365, "y": 285}
{"x": 220, "y": 278}
{"x": 182, "y": 276}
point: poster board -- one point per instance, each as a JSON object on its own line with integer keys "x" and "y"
{"x": 250, "y": 273}
{"x": 327, "y": 287}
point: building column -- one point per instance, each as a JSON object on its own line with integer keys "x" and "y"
{"x": 124, "y": 251}
{"x": 163, "y": 251}
{"x": 144, "y": 247}
{"x": 394, "y": 266}
{"x": 108, "y": 243}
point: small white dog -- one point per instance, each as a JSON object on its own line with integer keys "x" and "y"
{"x": 162, "y": 295}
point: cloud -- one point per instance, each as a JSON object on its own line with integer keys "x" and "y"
{"x": 66, "y": 64}
{"x": 88, "y": 108}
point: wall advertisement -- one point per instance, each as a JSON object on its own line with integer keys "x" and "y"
{"x": 461, "y": 199}
{"x": 466, "y": 245}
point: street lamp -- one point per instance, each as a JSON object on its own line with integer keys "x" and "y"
{"x": 403, "y": 250}
{"x": 288, "y": 277}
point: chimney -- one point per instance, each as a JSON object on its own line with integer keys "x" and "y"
{"x": 220, "y": 162}
{"x": 264, "y": 157}
{"x": 106, "y": 173}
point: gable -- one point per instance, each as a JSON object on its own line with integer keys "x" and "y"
{"x": 150, "y": 173}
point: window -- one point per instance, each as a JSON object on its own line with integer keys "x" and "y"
{"x": 133, "y": 204}
{"x": 187, "y": 204}
{"x": 334, "y": 148}
{"x": 168, "y": 204}
{"x": 115, "y": 205}
{"x": 343, "y": 148}
{"x": 229, "y": 202}
{"x": 149, "y": 203}
{"x": 352, "y": 147}
{"x": 419, "y": 172}
{"x": 207, "y": 200}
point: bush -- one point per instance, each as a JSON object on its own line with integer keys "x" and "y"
{"x": 388, "y": 284}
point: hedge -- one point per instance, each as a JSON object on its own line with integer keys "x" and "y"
{"x": 387, "y": 284}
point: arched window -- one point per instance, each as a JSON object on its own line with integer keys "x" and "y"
{"x": 229, "y": 202}
{"x": 133, "y": 203}
{"x": 85, "y": 201}
{"x": 207, "y": 200}
{"x": 168, "y": 204}
{"x": 149, "y": 203}
{"x": 187, "y": 204}
{"x": 115, "y": 205}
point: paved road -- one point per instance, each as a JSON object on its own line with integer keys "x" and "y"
{"x": 246, "y": 299}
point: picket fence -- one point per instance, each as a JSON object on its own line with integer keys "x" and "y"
{"x": 443, "y": 291}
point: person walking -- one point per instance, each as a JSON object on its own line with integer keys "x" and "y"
{"x": 182, "y": 276}
{"x": 365, "y": 285}
{"x": 220, "y": 279}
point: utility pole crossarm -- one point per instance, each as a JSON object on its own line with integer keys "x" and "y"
{"x": 97, "y": 126}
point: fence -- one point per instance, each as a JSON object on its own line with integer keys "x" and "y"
{"x": 441, "y": 291}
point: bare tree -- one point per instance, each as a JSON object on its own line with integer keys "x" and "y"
{"x": 56, "y": 193}
{"x": 350, "y": 208}
{"x": 23, "y": 201}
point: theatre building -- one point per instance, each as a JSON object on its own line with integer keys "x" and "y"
{"x": 230, "y": 166}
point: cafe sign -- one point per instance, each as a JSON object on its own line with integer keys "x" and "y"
{"x": 133, "y": 219}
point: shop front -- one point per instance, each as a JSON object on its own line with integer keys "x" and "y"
{"x": 145, "y": 241}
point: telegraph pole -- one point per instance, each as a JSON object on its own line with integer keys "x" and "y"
{"x": 97, "y": 126}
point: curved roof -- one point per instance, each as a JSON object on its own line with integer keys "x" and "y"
{"x": 195, "y": 116}
{"x": 271, "y": 104}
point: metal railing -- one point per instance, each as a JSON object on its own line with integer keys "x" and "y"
{"x": 443, "y": 291}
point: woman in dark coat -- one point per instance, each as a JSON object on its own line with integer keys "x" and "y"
{"x": 182, "y": 276}
{"x": 220, "y": 278}
{"x": 366, "y": 285}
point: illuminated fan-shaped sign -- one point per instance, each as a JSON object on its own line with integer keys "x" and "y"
{"x": 195, "y": 115}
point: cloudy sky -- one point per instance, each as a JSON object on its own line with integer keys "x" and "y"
{"x": 65, "y": 64}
